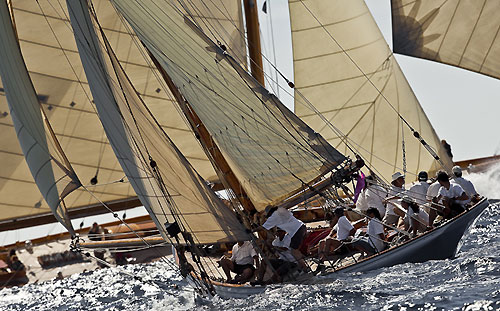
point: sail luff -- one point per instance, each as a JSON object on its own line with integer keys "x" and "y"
{"x": 26, "y": 115}
{"x": 165, "y": 182}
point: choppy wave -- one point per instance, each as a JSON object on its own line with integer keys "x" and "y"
{"x": 471, "y": 281}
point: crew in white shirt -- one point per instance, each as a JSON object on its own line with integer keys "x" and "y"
{"x": 241, "y": 262}
{"x": 452, "y": 196}
{"x": 342, "y": 227}
{"x": 464, "y": 183}
{"x": 376, "y": 235}
{"x": 418, "y": 189}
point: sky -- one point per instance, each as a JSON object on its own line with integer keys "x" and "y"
{"x": 463, "y": 107}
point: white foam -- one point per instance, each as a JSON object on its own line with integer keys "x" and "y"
{"x": 487, "y": 183}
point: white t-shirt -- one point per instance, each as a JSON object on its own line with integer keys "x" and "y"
{"x": 283, "y": 219}
{"x": 419, "y": 218}
{"x": 374, "y": 229}
{"x": 467, "y": 186}
{"x": 343, "y": 227}
{"x": 284, "y": 255}
{"x": 455, "y": 191}
{"x": 243, "y": 255}
{"x": 374, "y": 196}
{"x": 418, "y": 191}
{"x": 433, "y": 190}
{"x": 394, "y": 203}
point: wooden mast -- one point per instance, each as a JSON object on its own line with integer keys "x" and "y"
{"x": 253, "y": 36}
{"x": 206, "y": 140}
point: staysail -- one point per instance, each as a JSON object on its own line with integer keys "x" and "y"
{"x": 461, "y": 33}
{"x": 271, "y": 151}
{"x": 52, "y": 59}
{"x": 170, "y": 188}
{"x": 344, "y": 70}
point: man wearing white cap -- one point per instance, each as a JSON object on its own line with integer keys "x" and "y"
{"x": 395, "y": 193}
{"x": 464, "y": 183}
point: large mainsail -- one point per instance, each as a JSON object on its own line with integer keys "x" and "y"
{"x": 45, "y": 165}
{"x": 344, "y": 70}
{"x": 52, "y": 59}
{"x": 462, "y": 33}
{"x": 271, "y": 151}
{"x": 170, "y": 189}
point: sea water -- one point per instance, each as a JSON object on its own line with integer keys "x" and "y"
{"x": 471, "y": 281}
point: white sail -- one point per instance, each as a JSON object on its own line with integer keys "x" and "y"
{"x": 271, "y": 151}
{"x": 461, "y": 33}
{"x": 171, "y": 190}
{"x": 344, "y": 68}
{"x": 29, "y": 124}
{"x": 52, "y": 59}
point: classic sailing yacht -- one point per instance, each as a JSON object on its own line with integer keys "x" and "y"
{"x": 353, "y": 107}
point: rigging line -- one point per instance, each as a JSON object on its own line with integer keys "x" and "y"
{"x": 404, "y": 149}
{"x": 415, "y": 133}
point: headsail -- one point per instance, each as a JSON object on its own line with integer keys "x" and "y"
{"x": 271, "y": 151}
{"x": 26, "y": 113}
{"x": 461, "y": 33}
{"x": 166, "y": 183}
{"x": 337, "y": 47}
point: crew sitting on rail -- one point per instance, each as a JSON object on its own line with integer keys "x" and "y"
{"x": 395, "y": 193}
{"x": 241, "y": 262}
{"x": 345, "y": 231}
{"x": 451, "y": 196}
{"x": 281, "y": 265}
{"x": 376, "y": 233}
{"x": 417, "y": 218}
{"x": 465, "y": 184}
